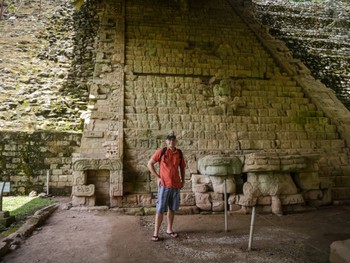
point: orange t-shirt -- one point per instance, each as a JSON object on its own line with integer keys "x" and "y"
{"x": 169, "y": 167}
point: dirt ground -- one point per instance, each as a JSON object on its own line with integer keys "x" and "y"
{"x": 105, "y": 236}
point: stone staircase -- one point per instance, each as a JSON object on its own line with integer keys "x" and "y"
{"x": 317, "y": 33}
{"x": 199, "y": 71}
{"x": 36, "y": 77}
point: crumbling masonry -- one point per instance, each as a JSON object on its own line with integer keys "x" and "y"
{"x": 242, "y": 108}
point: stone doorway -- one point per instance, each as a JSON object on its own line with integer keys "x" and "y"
{"x": 101, "y": 180}
{"x": 97, "y": 182}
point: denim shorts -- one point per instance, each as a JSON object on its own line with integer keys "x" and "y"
{"x": 168, "y": 198}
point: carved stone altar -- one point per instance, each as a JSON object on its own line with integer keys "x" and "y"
{"x": 84, "y": 194}
{"x": 273, "y": 181}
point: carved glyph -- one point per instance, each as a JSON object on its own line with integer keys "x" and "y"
{"x": 116, "y": 180}
{"x": 79, "y": 178}
{"x": 97, "y": 164}
{"x": 219, "y": 165}
{"x": 83, "y": 190}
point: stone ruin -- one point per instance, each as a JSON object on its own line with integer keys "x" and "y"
{"x": 244, "y": 110}
{"x": 228, "y": 90}
{"x": 258, "y": 179}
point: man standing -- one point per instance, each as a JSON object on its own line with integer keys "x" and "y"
{"x": 170, "y": 179}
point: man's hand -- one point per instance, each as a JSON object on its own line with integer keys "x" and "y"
{"x": 159, "y": 181}
{"x": 182, "y": 184}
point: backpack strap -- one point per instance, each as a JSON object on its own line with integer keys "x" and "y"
{"x": 163, "y": 153}
{"x": 180, "y": 152}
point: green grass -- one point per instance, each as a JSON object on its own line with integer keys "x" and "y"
{"x": 21, "y": 207}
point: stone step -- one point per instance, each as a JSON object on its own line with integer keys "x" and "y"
{"x": 324, "y": 132}
{"x": 340, "y": 193}
{"x": 343, "y": 181}
{"x": 299, "y": 114}
{"x": 204, "y": 117}
{"x": 188, "y": 83}
{"x": 208, "y": 68}
{"x": 314, "y": 124}
{"x": 182, "y": 90}
{"x": 210, "y": 128}
{"x": 224, "y": 144}
{"x": 277, "y": 84}
{"x": 237, "y": 135}
{"x": 284, "y": 131}
{"x": 252, "y": 102}
{"x": 190, "y": 97}
{"x": 269, "y": 100}
{"x": 165, "y": 96}
{"x": 186, "y": 35}
{"x": 270, "y": 93}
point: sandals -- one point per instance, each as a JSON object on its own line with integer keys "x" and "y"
{"x": 173, "y": 234}
{"x": 155, "y": 238}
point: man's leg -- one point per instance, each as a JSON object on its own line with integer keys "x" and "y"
{"x": 170, "y": 231}
{"x": 157, "y": 222}
{"x": 170, "y": 216}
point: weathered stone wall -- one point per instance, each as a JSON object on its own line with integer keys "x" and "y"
{"x": 202, "y": 73}
{"x": 27, "y": 159}
{"x": 224, "y": 86}
{"x": 317, "y": 32}
{"x": 46, "y": 61}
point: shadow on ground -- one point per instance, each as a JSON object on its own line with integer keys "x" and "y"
{"x": 104, "y": 236}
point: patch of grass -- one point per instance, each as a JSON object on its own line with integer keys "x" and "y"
{"x": 21, "y": 207}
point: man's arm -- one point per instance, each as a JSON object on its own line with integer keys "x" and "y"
{"x": 153, "y": 171}
{"x": 182, "y": 173}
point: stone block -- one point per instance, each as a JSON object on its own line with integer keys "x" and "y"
{"x": 340, "y": 251}
{"x": 57, "y": 172}
{"x": 219, "y": 165}
{"x": 218, "y": 206}
{"x": 308, "y": 181}
{"x": 200, "y": 183}
{"x": 313, "y": 195}
{"x": 276, "y": 205}
{"x": 270, "y": 184}
{"x": 200, "y": 188}
{"x": 63, "y": 178}
{"x": 132, "y": 199}
{"x": 341, "y": 193}
{"x": 145, "y": 200}
{"x": 83, "y": 190}
{"x": 234, "y": 207}
{"x": 251, "y": 190}
{"x": 264, "y": 209}
{"x": 218, "y": 183}
{"x": 4, "y": 248}
{"x": 246, "y": 200}
{"x": 216, "y": 196}
{"x": 233, "y": 199}
{"x": 116, "y": 202}
{"x": 187, "y": 199}
{"x": 83, "y": 201}
{"x": 192, "y": 166}
{"x": 203, "y": 201}
{"x": 343, "y": 180}
{"x": 188, "y": 210}
{"x": 292, "y": 199}
{"x": 7, "y": 220}
{"x": 264, "y": 200}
